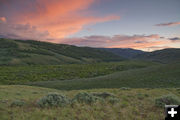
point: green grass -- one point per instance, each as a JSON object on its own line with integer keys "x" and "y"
{"x": 159, "y": 76}
{"x": 24, "y": 74}
{"x": 129, "y": 107}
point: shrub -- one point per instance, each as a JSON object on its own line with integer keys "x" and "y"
{"x": 124, "y": 104}
{"x": 85, "y": 98}
{"x": 125, "y": 88}
{"x": 53, "y": 100}
{"x": 140, "y": 96}
{"x": 103, "y": 95}
{"x": 146, "y": 95}
{"x": 113, "y": 100}
{"x": 169, "y": 99}
{"x": 18, "y": 103}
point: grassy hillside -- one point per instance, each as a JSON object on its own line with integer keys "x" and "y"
{"x": 18, "y": 52}
{"x": 133, "y": 104}
{"x": 169, "y": 55}
{"x": 150, "y": 77}
{"x": 24, "y": 74}
{"x": 124, "y": 52}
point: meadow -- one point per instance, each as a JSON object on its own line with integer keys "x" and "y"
{"x": 135, "y": 86}
{"x": 133, "y": 104}
{"x": 155, "y": 76}
{"x": 22, "y": 74}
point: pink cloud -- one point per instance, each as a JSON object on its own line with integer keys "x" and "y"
{"x": 143, "y": 42}
{"x": 20, "y": 31}
{"x": 60, "y": 18}
{"x": 169, "y": 24}
{"x": 2, "y": 19}
{"x": 119, "y": 41}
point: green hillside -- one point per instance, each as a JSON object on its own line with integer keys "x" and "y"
{"x": 158, "y": 76}
{"x": 19, "y": 52}
{"x": 24, "y": 74}
{"x": 128, "y": 53}
{"x": 140, "y": 104}
{"x": 170, "y": 55}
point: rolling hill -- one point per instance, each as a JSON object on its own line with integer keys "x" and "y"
{"x": 19, "y": 52}
{"x": 169, "y": 55}
{"x": 155, "y": 76}
{"x": 124, "y": 52}
{"x": 34, "y": 73}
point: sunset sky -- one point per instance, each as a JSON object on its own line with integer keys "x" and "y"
{"x": 141, "y": 24}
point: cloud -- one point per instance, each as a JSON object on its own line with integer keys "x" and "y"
{"x": 20, "y": 31}
{"x": 168, "y": 24}
{"x": 60, "y": 18}
{"x": 174, "y": 38}
{"x": 117, "y": 41}
{"x": 142, "y": 42}
{"x": 2, "y": 19}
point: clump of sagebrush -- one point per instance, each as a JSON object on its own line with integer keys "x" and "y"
{"x": 169, "y": 99}
{"x": 87, "y": 98}
{"x": 125, "y": 88}
{"x": 17, "y": 103}
{"x": 103, "y": 94}
{"x": 53, "y": 100}
{"x": 113, "y": 100}
{"x": 141, "y": 96}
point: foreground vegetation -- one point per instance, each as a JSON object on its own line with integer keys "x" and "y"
{"x": 159, "y": 76}
{"x": 133, "y": 104}
{"x": 24, "y": 74}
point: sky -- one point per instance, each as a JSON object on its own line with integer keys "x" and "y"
{"x": 140, "y": 24}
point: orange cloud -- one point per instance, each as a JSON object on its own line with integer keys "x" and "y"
{"x": 119, "y": 41}
{"x": 2, "y": 19}
{"x": 60, "y": 18}
{"x": 169, "y": 24}
{"x": 139, "y": 45}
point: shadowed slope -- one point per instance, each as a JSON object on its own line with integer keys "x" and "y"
{"x": 18, "y": 52}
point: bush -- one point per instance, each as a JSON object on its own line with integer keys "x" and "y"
{"x": 125, "y": 88}
{"x": 103, "y": 95}
{"x": 167, "y": 100}
{"x": 53, "y": 100}
{"x": 85, "y": 98}
{"x": 113, "y": 100}
{"x": 140, "y": 96}
{"x": 18, "y": 103}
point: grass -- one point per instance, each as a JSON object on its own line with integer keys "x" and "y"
{"x": 34, "y": 73}
{"x": 159, "y": 76}
{"x": 129, "y": 106}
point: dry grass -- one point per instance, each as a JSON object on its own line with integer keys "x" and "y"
{"x": 133, "y": 104}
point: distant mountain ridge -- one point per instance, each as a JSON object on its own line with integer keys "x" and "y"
{"x": 124, "y": 52}
{"x": 29, "y": 52}
{"x": 168, "y": 55}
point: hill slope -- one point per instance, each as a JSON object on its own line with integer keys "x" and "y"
{"x": 18, "y": 52}
{"x": 150, "y": 77}
{"x": 24, "y": 74}
{"x": 124, "y": 52}
{"x": 165, "y": 56}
